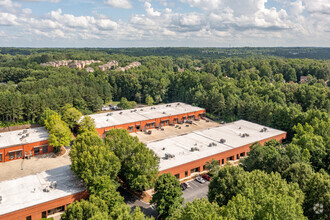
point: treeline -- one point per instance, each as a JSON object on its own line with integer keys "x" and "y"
{"x": 286, "y": 52}
{"x": 259, "y": 90}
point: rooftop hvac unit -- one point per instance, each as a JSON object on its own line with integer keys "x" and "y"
{"x": 53, "y": 185}
{"x": 120, "y": 113}
{"x": 46, "y": 189}
{"x": 0, "y": 199}
{"x": 164, "y": 113}
{"x": 194, "y": 149}
{"x": 264, "y": 129}
{"x": 245, "y": 135}
{"x": 168, "y": 156}
{"x": 222, "y": 141}
{"x": 214, "y": 144}
{"x": 141, "y": 109}
{"x": 25, "y": 131}
{"x": 163, "y": 148}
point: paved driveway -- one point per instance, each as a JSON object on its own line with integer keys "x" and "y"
{"x": 195, "y": 191}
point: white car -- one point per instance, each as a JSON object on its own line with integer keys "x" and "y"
{"x": 200, "y": 179}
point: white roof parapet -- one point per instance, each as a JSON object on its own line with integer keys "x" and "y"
{"x": 103, "y": 120}
{"x": 209, "y": 142}
{"x": 21, "y": 137}
{"x": 39, "y": 188}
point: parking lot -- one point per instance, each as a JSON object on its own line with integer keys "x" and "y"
{"x": 196, "y": 190}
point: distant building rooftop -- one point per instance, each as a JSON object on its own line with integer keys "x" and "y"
{"x": 208, "y": 142}
{"x": 21, "y": 137}
{"x": 29, "y": 190}
{"x": 141, "y": 114}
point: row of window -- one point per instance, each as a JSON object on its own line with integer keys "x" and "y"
{"x": 162, "y": 123}
{"x": 18, "y": 154}
{"x": 222, "y": 162}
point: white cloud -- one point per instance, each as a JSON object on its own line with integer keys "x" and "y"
{"x": 126, "y": 4}
{"x": 150, "y": 11}
{"x": 7, "y": 19}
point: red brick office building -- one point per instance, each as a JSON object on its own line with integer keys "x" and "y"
{"x": 24, "y": 143}
{"x": 186, "y": 155}
{"x": 142, "y": 119}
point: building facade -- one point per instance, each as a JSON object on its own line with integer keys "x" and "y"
{"x": 142, "y": 119}
{"x": 24, "y": 144}
{"x": 42, "y": 195}
{"x": 186, "y": 155}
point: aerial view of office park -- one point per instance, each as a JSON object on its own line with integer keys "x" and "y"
{"x": 153, "y": 109}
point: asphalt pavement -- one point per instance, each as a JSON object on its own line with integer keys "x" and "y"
{"x": 195, "y": 191}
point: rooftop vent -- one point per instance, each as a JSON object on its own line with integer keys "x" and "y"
{"x": 168, "y": 156}
{"x": 163, "y": 148}
{"x": 46, "y": 189}
{"x": 222, "y": 141}
{"x": 120, "y": 113}
{"x": 0, "y": 199}
{"x": 25, "y": 131}
{"x": 194, "y": 149}
{"x": 53, "y": 185}
{"x": 264, "y": 129}
{"x": 245, "y": 135}
{"x": 239, "y": 127}
{"x": 141, "y": 109}
{"x": 164, "y": 113}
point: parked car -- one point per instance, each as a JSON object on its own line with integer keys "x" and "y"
{"x": 200, "y": 179}
{"x": 183, "y": 186}
{"x": 186, "y": 184}
{"x": 207, "y": 177}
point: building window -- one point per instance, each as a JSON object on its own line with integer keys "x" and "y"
{"x": 137, "y": 127}
{"x": 153, "y": 124}
{"x": 36, "y": 150}
{"x": 242, "y": 154}
{"x": 0, "y": 157}
{"x": 166, "y": 122}
{"x": 237, "y": 156}
{"x": 186, "y": 173}
{"x": 45, "y": 149}
{"x": 230, "y": 158}
{"x": 194, "y": 170}
{"x": 222, "y": 161}
{"x": 11, "y": 155}
{"x": 176, "y": 120}
{"x": 29, "y": 218}
{"x": 177, "y": 176}
{"x": 204, "y": 167}
{"x": 44, "y": 214}
{"x": 18, "y": 154}
{"x": 148, "y": 125}
{"x": 130, "y": 128}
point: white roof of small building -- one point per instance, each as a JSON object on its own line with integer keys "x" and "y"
{"x": 28, "y": 191}
{"x": 208, "y": 142}
{"x": 141, "y": 114}
{"x": 21, "y": 137}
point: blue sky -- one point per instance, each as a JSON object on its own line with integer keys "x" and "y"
{"x": 153, "y": 23}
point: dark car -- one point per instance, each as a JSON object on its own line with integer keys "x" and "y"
{"x": 183, "y": 186}
{"x": 206, "y": 176}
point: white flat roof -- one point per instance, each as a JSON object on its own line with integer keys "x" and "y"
{"x": 110, "y": 119}
{"x": 28, "y": 191}
{"x": 31, "y": 135}
{"x": 180, "y": 146}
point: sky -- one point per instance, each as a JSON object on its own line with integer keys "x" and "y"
{"x": 164, "y": 23}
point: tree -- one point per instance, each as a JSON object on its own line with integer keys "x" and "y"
{"x": 85, "y": 210}
{"x": 139, "y": 164}
{"x": 198, "y": 209}
{"x": 70, "y": 115}
{"x": 298, "y": 173}
{"x": 224, "y": 185}
{"x": 59, "y": 133}
{"x": 86, "y": 124}
{"x": 45, "y": 115}
{"x": 124, "y": 103}
{"x": 167, "y": 195}
{"x": 264, "y": 196}
{"x": 149, "y": 100}
{"x": 317, "y": 197}
{"x": 212, "y": 166}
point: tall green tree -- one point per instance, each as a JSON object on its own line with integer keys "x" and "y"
{"x": 167, "y": 195}
{"x": 139, "y": 164}
{"x": 70, "y": 115}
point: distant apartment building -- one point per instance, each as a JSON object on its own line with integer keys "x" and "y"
{"x": 108, "y": 65}
{"x": 131, "y": 65}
